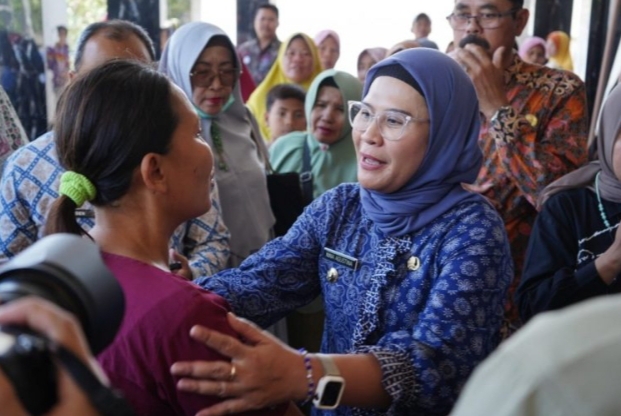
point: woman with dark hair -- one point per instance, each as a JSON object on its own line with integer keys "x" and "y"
{"x": 413, "y": 269}
{"x": 131, "y": 146}
{"x": 201, "y": 60}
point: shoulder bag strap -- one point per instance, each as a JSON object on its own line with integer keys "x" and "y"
{"x": 256, "y": 137}
{"x": 306, "y": 177}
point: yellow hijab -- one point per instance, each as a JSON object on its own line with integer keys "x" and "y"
{"x": 257, "y": 101}
{"x": 562, "y": 58}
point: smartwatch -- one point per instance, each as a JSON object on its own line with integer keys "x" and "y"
{"x": 330, "y": 387}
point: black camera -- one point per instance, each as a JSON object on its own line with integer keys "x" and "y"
{"x": 68, "y": 271}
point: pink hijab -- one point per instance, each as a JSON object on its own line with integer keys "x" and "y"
{"x": 529, "y": 43}
{"x": 321, "y": 36}
{"x": 376, "y": 53}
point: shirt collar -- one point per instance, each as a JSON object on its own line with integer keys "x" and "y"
{"x": 515, "y": 67}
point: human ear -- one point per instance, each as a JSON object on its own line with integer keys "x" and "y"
{"x": 153, "y": 173}
{"x": 521, "y": 18}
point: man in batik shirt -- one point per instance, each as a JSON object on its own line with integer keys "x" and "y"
{"x": 535, "y": 118}
{"x": 260, "y": 53}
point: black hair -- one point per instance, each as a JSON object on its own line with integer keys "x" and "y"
{"x": 517, "y": 4}
{"x": 225, "y": 42}
{"x": 107, "y": 120}
{"x": 267, "y": 6}
{"x": 398, "y": 72}
{"x": 117, "y": 30}
{"x": 328, "y": 82}
{"x": 284, "y": 92}
{"x": 472, "y": 38}
{"x": 422, "y": 16}
{"x": 61, "y": 28}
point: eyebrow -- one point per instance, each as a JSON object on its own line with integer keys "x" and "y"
{"x": 394, "y": 110}
{"x": 210, "y": 64}
{"x": 486, "y": 6}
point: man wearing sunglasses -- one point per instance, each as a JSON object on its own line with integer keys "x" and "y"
{"x": 535, "y": 120}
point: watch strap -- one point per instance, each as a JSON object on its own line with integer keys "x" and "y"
{"x": 328, "y": 364}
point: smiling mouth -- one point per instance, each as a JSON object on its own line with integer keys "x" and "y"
{"x": 371, "y": 161}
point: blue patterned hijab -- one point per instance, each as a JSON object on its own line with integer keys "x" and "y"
{"x": 453, "y": 156}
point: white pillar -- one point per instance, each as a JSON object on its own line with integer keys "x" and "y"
{"x": 54, "y": 13}
{"x": 580, "y": 33}
{"x": 163, "y": 13}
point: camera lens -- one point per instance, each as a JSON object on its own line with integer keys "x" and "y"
{"x": 68, "y": 271}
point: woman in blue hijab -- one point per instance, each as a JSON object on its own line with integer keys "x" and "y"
{"x": 413, "y": 269}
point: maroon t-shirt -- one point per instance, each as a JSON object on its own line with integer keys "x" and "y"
{"x": 160, "y": 309}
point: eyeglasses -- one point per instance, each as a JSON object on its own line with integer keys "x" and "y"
{"x": 460, "y": 21}
{"x": 391, "y": 124}
{"x": 205, "y": 77}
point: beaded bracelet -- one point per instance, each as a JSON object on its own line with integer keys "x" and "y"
{"x": 310, "y": 393}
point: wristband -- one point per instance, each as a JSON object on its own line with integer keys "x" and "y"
{"x": 310, "y": 392}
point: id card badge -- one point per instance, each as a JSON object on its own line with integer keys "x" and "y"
{"x": 341, "y": 258}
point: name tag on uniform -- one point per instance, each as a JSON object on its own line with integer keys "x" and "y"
{"x": 340, "y": 258}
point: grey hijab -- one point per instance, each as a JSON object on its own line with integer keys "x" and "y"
{"x": 609, "y": 185}
{"x": 243, "y": 186}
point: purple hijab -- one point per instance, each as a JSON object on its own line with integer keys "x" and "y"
{"x": 453, "y": 156}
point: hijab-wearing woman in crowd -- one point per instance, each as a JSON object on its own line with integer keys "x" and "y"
{"x": 297, "y": 63}
{"x": 413, "y": 268}
{"x": 574, "y": 250}
{"x": 367, "y": 59}
{"x": 558, "y": 51}
{"x": 328, "y": 135}
{"x": 533, "y": 51}
{"x": 201, "y": 60}
{"x": 329, "y": 46}
{"x": 331, "y": 159}
{"x": 131, "y": 146}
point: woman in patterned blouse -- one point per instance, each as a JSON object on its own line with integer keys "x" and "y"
{"x": 413, "y": 268}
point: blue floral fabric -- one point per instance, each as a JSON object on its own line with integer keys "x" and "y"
{"x": 427, "y": 326}
{"x": 29, "y": 186}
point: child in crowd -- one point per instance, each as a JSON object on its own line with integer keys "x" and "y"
{"x": 285, "y": 110}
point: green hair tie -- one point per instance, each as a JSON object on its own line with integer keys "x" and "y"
{"x": 77, "y": 187}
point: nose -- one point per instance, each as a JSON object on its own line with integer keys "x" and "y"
{"x": 289, "y": 120}
{"x": 216, "y": 83}
{"x": 328, "y": 114}
{"x": 473, "y": 25}
{"x": 372, "y": 134}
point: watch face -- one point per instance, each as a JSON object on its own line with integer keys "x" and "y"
{"x": 331, "y": 393}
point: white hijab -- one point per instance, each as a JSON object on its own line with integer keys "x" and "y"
{"x": 243, "y": 186}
